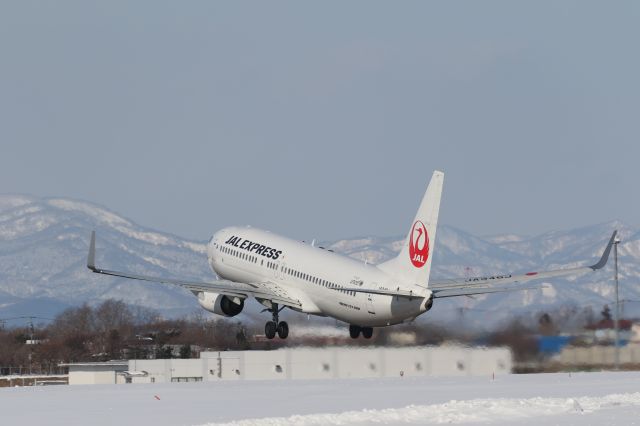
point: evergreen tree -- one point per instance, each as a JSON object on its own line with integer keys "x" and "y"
{"x": 185, "y": 351}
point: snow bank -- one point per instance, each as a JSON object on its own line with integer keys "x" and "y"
{"x": 473, "y": 411}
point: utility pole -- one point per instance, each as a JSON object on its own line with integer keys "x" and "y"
{"x": 617, "y": 318}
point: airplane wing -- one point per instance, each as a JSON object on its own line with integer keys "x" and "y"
{"x": 262, "y": 291}
{"x": 472, "y": 292}
{"x": 444, "y": 292}
{"x": 481, "y": 285}
{"x": 490, "y": 284}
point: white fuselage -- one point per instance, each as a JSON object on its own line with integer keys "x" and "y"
{"x": 312, "y": 275}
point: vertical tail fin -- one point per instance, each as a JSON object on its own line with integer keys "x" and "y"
{"x": 413, "y": 264}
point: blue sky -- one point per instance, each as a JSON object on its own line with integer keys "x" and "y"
{"x": 325, "y": 119}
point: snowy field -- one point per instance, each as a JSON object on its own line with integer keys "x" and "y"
{"x": 563, "y": 398}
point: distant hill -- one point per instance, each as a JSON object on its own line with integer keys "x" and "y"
{"x": 44, "y": 242}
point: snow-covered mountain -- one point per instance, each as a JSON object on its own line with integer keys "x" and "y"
{"x": 43, "y": 246}
{"x": 44, "y": 241}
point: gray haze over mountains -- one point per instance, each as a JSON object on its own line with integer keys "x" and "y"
{"x": 44, "y": 242}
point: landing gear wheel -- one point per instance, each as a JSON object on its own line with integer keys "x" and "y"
{"x": 283, "y": 330}
{"x": 270, "y": 329}
{"x": 354, "y": 331}
{"x": 367, "y": 332}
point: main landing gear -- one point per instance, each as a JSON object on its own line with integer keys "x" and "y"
{"x": 274, "y": 326}
{"x": 355, "y": 330}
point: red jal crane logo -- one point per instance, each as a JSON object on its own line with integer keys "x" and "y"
{"x": 419, "y": 245}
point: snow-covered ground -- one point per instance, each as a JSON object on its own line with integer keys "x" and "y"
{"x": 563, "y": 398}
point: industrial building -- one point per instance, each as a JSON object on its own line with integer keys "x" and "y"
{"x": 300, "y": 363}
{"x": 96, "y": 373}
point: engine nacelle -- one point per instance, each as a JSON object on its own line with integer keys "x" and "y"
{"x": 221, "y": 304}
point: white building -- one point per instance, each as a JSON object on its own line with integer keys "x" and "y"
{"x": 302, "y": 363}
{"x": 96, "y": 373}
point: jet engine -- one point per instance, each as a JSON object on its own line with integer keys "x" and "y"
{"x": 221, "y": 304}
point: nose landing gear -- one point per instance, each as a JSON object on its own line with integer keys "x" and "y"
{"x": 275, "y": 326}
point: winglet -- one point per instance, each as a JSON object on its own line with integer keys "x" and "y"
{"x": 91, "y": 258}
{"x": 605, "y": 255}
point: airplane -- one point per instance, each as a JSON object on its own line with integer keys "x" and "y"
{"x": 281, "y": 272}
